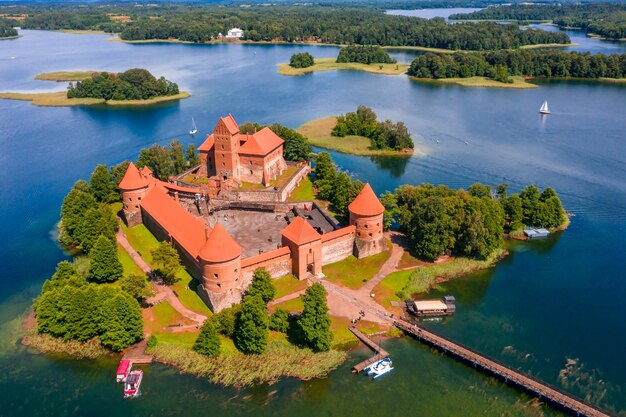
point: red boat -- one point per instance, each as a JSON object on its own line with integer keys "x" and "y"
{"x": 131, "y": 386}
{"x": 123, "y": 370}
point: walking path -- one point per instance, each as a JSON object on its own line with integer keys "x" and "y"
{"x": 163, "y": 292}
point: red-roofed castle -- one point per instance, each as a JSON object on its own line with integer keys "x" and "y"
{"x": 211, "y": 255}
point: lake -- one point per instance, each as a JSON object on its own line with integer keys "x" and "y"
{"x": 547, "y": 302}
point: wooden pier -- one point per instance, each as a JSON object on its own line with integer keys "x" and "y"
{"x": 137, "y": 354}
{"x": 507, "y": 374}
{"x": 380, "y": 353}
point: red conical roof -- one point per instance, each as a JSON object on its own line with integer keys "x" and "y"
{"x": 133, "y": 180}
{"x": 220, "y": 246}
{"x": 300, "y": 232}
{"x": 366, "y": 203}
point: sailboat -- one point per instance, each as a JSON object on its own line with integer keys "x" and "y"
{"x": 544, "y": 108}
{"x": 194, "y": 129}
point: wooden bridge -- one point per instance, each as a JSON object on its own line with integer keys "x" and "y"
{"x": 380, "y": 353}
{"x": 509, "y": 375}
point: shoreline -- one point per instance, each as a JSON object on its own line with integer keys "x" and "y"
{"x": 330, "y": 64}
{"x": 317, "y": 131}
{"x": 64, "y": 76}
{"x": 59, "y": 99}
{"x": 6, "y": 38}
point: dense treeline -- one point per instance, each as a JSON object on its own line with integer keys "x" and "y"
{"x": 365, "y": 54}
{"x": 296, "y": 148}
{"x": 332, "y": 23}
{"x": 134, "y": 84}
{"x": 502, "y": 64}
{"x": 383, "y": 135}
{"x": 333, "y": 185}
{"x": 6, "y": 28}
{"x": 608, "y": 20}
{"x": 72, "y": 309}
{"x": 469, "y": 223}
{"x": 301, "y": 60}
{"x": 165, "y": 161}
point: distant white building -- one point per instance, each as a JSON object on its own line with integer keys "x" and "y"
{"x": 235, "y": 33}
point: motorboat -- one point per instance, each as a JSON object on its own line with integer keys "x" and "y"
{"x": 379, "y": 368}
{"x": 132, "y": 384}
{"x": 123, "y": 370}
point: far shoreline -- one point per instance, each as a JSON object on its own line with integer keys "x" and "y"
{"x": 59, "y": 99}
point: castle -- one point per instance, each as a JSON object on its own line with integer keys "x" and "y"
{"x": 211, "y": 254}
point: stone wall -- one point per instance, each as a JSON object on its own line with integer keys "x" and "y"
{"x": 277, "y": 263}
{"x": 337, "y": 245}
{"x": 286, "y": 191}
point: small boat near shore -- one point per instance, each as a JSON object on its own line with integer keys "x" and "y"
{"x": 380, "y": 368}
{"x": 132, "y": 384}
{"x": 123, "y": 370}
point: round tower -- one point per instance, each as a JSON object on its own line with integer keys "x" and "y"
{"x": 366, "y": 214}
{"x": 220, "y": 262}
{"x": 134, "y": 187}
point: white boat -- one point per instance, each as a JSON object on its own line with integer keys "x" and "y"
{"x": 132, "y": 384}
{"x": 194, "y": 129}
{"x": 380, "y": 368}
{"x": 544, "y": 108}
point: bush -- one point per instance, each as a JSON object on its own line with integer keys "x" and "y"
{"x": 301, "y": 60}
{"x": 225, "y": 321}
{"x": 167, "y": 261}
{"x": 279, "y": 321}
{"x": 208, "y": 342}
{"x": 251, "y": 332}
{"x": 152, "y": 341}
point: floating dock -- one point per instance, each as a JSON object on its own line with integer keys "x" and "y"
{"x": 380, "y": 353}
{"x": 425, "y": 308}
{"x": 535, "y": 233}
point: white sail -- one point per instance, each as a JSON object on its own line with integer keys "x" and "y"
{"x": 544, "y": 108}
{"x": 194, "y": 129}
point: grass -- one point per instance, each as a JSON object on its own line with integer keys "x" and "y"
{"x": 409, "y": 261}
{"x": 518, "y": 82}
{"x": 330, "y": 64}
{"x": 236, "y": 369}
{"x": 293, "y": 306}
{"x": 186, "y": 339}
{"x": 59, "y": 99}
{"x": 47, "y": 344}
{"x": 144, "y": 242}
{"x": 288, "y": 285}
{"x": 82, "y": 32}
{"x": 404, "y": 284}
{"x": 159, "y": 317}
{"x": 304, "y": 191}
{"x": 65, "y": 75}
{"x": 279, "y": 182}
{"x": 352, "y": 272}
{"x": 548, "y": 45}
{"x": 130, "y": 267}
{"x": 318, "y": 132}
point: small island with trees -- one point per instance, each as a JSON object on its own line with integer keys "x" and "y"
{"x": 366, "y": 58}
{"x": 6, "y": 29}
{"x": 134, "y": 87}
{"x": 359, "y": 133}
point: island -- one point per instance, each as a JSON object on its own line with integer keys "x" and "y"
{"x": 359, "y": 133}
{"x": 134, "y": 87}
{"x": 162, "y": 270}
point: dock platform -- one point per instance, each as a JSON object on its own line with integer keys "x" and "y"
{"x": 380, "y": 353}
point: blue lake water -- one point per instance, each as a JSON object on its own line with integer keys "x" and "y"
{"x": 548, "y": 301}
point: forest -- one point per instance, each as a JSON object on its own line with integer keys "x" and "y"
{"x": 365, "y": 54}
{"x": 6, "y": 28}
{"x": 332, "y": 24}
{"x": 383, "y": 135}
{"x": 530, "y": 62}
{"x": 134, "y": 84}
{"x": 607, "y": 20}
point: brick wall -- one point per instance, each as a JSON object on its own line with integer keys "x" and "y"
{"x": 337, "y": 245}
{"x": 277, "y": 263}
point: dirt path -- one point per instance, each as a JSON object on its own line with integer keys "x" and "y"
{"x": 388, "y": 267}
{"x": 163, "y": 292}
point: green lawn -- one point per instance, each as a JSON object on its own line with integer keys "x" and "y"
{"x": 304, "y": 191}
{"x": 184, "y": 339}
{"x": 288, "y": 285}
{"x": 130, "y": 267}
{"x": 390, "y": 286}
{"x": 293, "y": 306}
{"x": 353, "y": 272}
{"x": 163, "y": 314}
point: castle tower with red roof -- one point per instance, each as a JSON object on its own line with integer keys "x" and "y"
{"x": 134, "y": 187}
{"x": 220, "y": 263}
{"x": 226, "y": 144}
{"x": 366, "y": 214}
{"x": 305, "y": 245}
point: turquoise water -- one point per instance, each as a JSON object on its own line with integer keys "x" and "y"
{"x": 548, "y": 301}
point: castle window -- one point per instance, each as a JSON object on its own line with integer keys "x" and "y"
{"x": 366, "y": 225}
{"x": 136, "y": 206}
{"x": 219, "y": 285}
{"x": 250, "y": 162}
{"x": 236, "y": 270}
{"x": 251, "y": 172}
{"x": 131, "y": 199}
{"x": 139, "y": 198}
{"x": 223, "y": 164}
{"x": 310, "y": 250}
{"x": 370, "y": 235}
{"x": 378, "y": 224}
{"x": 358, "y": 233}
{"x": 215, "y": 275}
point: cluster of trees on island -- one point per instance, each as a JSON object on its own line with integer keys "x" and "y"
{"x": 134, "y": 84}
{"x": 500, "y": 65}
{"x": 364, "y": 54}
{"x": 248, "y": 324}
{"x": 383, "y": 135}
{"x": 301, "y": 60}
{"x": 468, "y": 223}
{"x": 6, "y": 28}
{"x": 327, "y": 23}
{"x": 607, "y": 20}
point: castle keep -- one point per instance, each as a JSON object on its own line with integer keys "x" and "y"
{"x": 222, "y": 264}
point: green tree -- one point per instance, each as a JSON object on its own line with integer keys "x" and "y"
{"x": 208, "y": 342}
{"x": 101, "y": 186}
{"x": 105, "y": 266}
{"x": 391, "y": 209}
{"x": 479, "y": 190}
{"x": 314, "y": 321}
{"x": 75, "y": 205}
{"x": 296, "y": 147}
{"x": 301, "y": 60}
{"x": 167, "y": 260}
{"x": 262, "y": 285}
{"x": 192, "y": 155}
{"x": 432, "y": 227}
{"x": 279, "y": 321}
{"x": 96, "y": 222}
{"x": 225, "y": 321}
{"x": 251, "y": 332}
{"x": 65, "y": 274}
{"x": 514, "y": 212}
{"x": 136, "y": 286}
{"x": 324, "y": 166}
{"x": 121, "y": 322}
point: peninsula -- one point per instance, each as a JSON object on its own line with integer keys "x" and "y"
{"x": 135, "y": 87}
